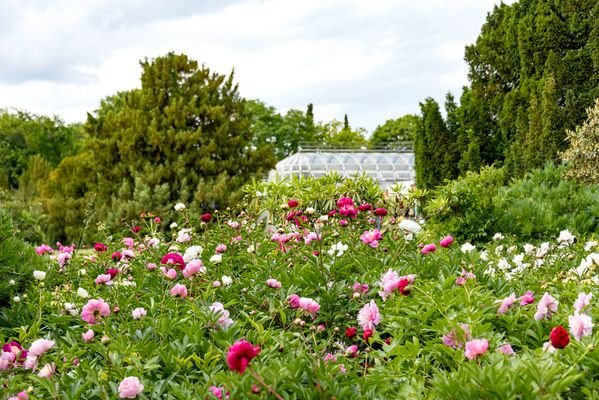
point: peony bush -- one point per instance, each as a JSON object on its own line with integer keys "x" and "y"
{"x": 304, "y": 297}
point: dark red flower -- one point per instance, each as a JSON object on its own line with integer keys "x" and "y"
{"x": 100, "y": 247}
{"x": 367, "y": 334}
{"x": 174, "y": 259}
{"x": 365, "y": 207}
{"x": 381, "y": 212}
{"x": 206, "y": 217}
{"x": 351, "y": 332}
{"x": 403, "y": 286}
{"x": 332, "y": 213}
{"x": 292, "y": 203}
{"x": 240, "y": 354}
{"x": 136, "y": 229}
{"x": 117, "y": 256}
{"x": 112, "y": 272}
{"x": 559, "y": 337}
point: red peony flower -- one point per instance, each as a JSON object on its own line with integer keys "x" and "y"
{"x": 240, "y": 354}
{"x": 381, "y": 212}
{"x": 117, "y": 256}
{"x": 112, "y": 272}
{"x": 292, "y": 203}
{"x": 136, "y": 229}
{"x": 559, "y": 337}
{"x": 351, "y": 332}
{"x": 365, "y": 207}
{"x": 206, "y": 217}
{"x": 367, "y": 334}
{"x": 100, "y": 247}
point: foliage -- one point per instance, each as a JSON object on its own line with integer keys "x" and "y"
{"x": 179, "y": 349}
{"x": 184, "y": 136}
{"x": 539, "y": 204}
{"x": 583, "y": 154}
{"x": 395, "y": 131}
{"x": 17, "y": 260}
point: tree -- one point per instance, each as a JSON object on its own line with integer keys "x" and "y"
{"x": 335, "y": 134}
{"x": 395, "y": 131}
{"x": 183, "y": 137}
{"x": 582, "y": 156}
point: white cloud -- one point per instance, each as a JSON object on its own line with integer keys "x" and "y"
{"x": 372, "y": 60}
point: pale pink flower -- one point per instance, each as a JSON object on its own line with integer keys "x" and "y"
{"x": 47, "y": 371}
{"x": 371, "y": 238}
{"x": 369, "y": 316}
{"x": 193, "y": 268}
{"x": 221, "y": 248}
{"x": 30, "y": 362}
{"x": 63, "y": 258}
{"x": 218, "y": 392}
{"x": 169, "y": 273}
{"x": 233, "y": 224}
{"x": 547, "y": 305}
{"x": 7, "y": 360}
{"x": 309, "y": 305}
{"x": 273, "y": 283}
{"x": 216, "y": 284}
{"x": 311, "y": 237}
{"x": 506, "y": 349}
{"x": 20, "y": 396}
{"x": 582, "y": 301}
{"x": 139, "y": 313}
{"x": 330, "y": 357}
{"x": 151, "y": 266}
{"x": 527, "y": 298}
{"x": 183, "y": 236}
{"x": 456, "y": 340}
{"x": 130, "y": 387}
{"x": 179, "y": 290}
{"x": 548, "y": 347}
{"x": 88, "y": 336}
{"x": 94, "y": 310}
{"x": 460, "y": 281}
{"x": 129, "y": 242}
{"x": 40, "y": 346}
{"x": 475, "y": 348}
{"x": 103, "y": 279}
{"x": 580, "y": 325}
{"x": 223, "y": 315}
{"x": 506, "y": 304}
{"x": 352, "y": 351}
{"x": 391, "y": 282}
{"x": 127, "y": 254}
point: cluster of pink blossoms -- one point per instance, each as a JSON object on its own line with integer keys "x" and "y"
{"x": 372, "y": 238}
{"x": 508, "y": 302}
{"x": 392, "y": 282}
{"x": 305, "y": 303}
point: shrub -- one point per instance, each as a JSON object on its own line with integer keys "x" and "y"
{"x": 583, "y": 154}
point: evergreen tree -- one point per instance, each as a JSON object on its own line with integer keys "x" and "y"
{"x": 345, "y": 123}
{"x": 183, "y": 137}
{"x": 430, "y": 146}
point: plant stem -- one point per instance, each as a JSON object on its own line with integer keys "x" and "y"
{"x": 261, "y": 381}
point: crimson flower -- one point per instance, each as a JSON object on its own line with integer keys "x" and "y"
{"x": 206, "y": 217}
{"x": 175, "y": 259}
{"x": 559, "y": 337}
{"x": 351, "y": 332}
{"x": 292, "y": 203}
{"x": 136, "y": 229}
{"x": 112, "y": 272}
{"x": 240, "y": 354}
{"x": 381, "y": 212}
{"x": 100, "y": 247}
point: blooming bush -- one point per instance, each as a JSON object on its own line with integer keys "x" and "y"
{"x": 259, "y": 305}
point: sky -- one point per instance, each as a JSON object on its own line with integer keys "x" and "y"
{"x": 370, "y": 59}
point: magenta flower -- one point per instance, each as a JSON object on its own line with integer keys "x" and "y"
{"x": 446, "y": 241}
{"x": 218, "y": 392}
{"x": 293, "y": 301}
{"x": 527, "y": 298}
{"x": 94, "y": 310}
{"x": 179, "y": 290}
{"x": 369, "y": 316}
{"x": 345, "y": 201}
{"x": 44, "y": 248}
{"x": 130, "y": 387}
{"x": 240, "y": 355}
{"x": 100, "y": 247}
{"x": 371, "y": 238}
{"x": 428, "y": 248}
{"x": 475, "y": 348}
{"x": 175, "y": 259}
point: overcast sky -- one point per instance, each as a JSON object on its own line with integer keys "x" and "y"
{"x": 371, "y": 59}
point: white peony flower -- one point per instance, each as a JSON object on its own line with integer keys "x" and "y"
{"x": 467, "y": 248}
{"x": 226, "y": 280}
{"x": 216, "y": 259}
{"x": 82, "y": 293}
{"x": 39, "y": 275}
{"x": 179, "y": 207}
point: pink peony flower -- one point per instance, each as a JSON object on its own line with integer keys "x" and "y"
{"x": 44, "y": 248}
{"x": 456, "y": 339}
{"x": 580, "y": 325}
{"x": 506, "y": 304}
{"x": 218, "y": 392}
{"x": 293, "y": 301}
{"x": 40, "y": 346}
{"x": 446, "y": 241}
{"x": 20, "y": 396}
{"x": 63, "y": 258}
{"x": 329, "y": 357}
{"x": 240, "y": 355}
{"x": 47, "y": 371}
{"x": 221, "y": 248}
{"x": 547, "y": 305}
{"x": 371, "y": 238}
{"x": 193, "y": 268}
{"x": 273, "y": 283}
{"x": 345, "y": 201}
{"x": 582, "y": 301}
{"x": 88, "y": 336}
{"x": 311, "y": 237}
{"x": 352, "y": 351}
{"x": 224, "y": 321}
{"x": 428, "y": 248}
{"x": 369, "y": 316}
{"x": 129, "y": 242}
{"x": 527, "y": 298}
{"x": 475, "y": 348}
{"x": 169, "y": 273}
{"x": 309, "y": 305}
{"x": 343, "y": 222}
{"x": 139, "y": 313}
{"x": 130, "y": 387}
{"x": 103, "y": 279}
{"x": 348, "y": 211}
{"x": 179, "y": 290}
{"x": 94, "y": 310}
{"x": 151, "y": 266}
{"x": 506, "y": 349}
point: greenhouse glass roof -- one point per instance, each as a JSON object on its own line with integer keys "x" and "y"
{"x": 387, "y": 166}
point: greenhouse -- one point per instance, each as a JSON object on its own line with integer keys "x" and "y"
{"x": 388, "y": 167}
